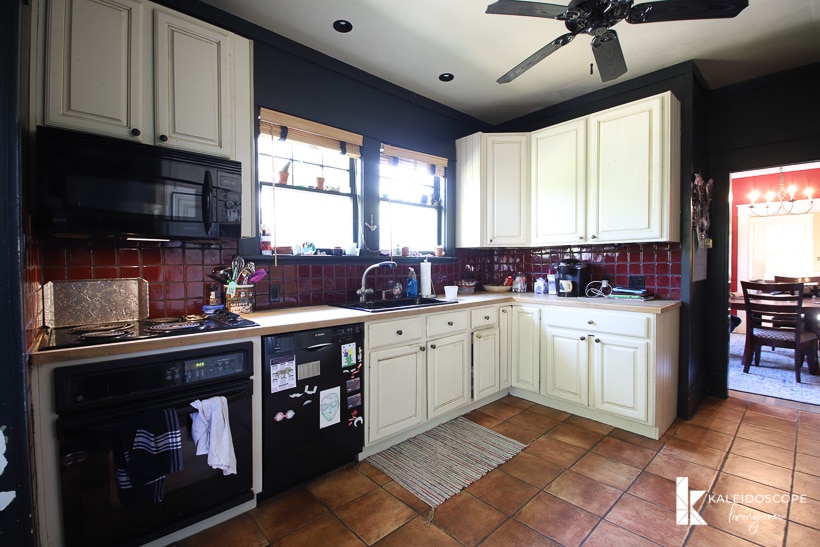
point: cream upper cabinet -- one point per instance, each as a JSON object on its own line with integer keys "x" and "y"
{"x": 559, "y": 193}
{"x": 492, "y": 184}
{"x": 634, "y": 172}
{"x": 132, "y": 69}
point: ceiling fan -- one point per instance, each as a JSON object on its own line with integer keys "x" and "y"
{"x": 596, "y": 17}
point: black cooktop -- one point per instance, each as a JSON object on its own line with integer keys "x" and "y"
{"x": 111, "y": 333}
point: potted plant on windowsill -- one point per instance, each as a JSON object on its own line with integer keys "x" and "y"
{"x": 284, "y": 173}
{"x": 320, "y": 181}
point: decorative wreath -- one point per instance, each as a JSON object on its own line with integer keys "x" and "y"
{"x": 701, "y": 201}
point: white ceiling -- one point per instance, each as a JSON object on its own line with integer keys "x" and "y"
{"x": 411, "y": 42}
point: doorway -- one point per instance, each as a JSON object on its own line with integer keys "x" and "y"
{"x": 774, "y": 234}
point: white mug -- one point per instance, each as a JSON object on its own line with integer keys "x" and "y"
{"x": 566, "y": 285}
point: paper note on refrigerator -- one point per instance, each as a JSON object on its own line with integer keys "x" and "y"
{"x": 329, "y": 407}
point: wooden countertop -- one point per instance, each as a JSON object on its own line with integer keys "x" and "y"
{"x": 309, "y": 317}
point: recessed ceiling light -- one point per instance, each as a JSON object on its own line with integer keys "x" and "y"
{"x": 446, "y": 77}
{"x": 342, "y": 26}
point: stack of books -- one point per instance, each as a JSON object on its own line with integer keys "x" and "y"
{"x": 630, "y": 294}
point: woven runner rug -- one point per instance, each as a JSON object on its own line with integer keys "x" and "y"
{"x": 442, "y": 461}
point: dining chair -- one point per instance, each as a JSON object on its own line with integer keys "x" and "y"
{"x": 774, "y": 317}
{"x": 811, "y": 284}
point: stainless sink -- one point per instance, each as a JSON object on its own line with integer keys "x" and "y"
{"x": 392, "y": 304}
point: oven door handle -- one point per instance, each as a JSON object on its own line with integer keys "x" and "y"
{"x": 207, "y": 198}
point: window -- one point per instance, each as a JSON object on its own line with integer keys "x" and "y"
{"x": 411, "y": 199}
{"x": 309, "y": 181}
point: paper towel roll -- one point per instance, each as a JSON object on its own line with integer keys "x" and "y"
{"x": 426, "y": 284}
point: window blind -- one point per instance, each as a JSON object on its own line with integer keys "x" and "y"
{"x": 279, "y": 125}
{"x": 413, "y": 159}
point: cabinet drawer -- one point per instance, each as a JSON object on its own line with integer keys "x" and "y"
{"x": 394, "y": 333}
{"x": 481, "y": 318}
{"x": 447, "y": 323}
{"x": 600, "y": 321}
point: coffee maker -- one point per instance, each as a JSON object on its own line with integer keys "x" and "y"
{"x": 573, "y": 277}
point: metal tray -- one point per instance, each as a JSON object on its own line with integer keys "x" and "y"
{"x": 83, "y": 302}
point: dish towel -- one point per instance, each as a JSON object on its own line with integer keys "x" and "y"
{"x": 148, "y": 447}
{"x": 211, "y": 430}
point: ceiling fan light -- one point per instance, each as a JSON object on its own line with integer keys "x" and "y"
{"x": 446, "y": 77}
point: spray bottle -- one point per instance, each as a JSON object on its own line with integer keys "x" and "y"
{"x": 412, "y": 284}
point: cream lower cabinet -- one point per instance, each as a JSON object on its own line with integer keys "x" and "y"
{"x": 525, "y": 347}
{"x": 504, "y": 346}
{"x": 448, "y": 361}
{"x": 486, "y": 349}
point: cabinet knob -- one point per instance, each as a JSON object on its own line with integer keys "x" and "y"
{"x": 432, "y": 346}
{"x": 504, "y": 310}
{"x": 478, "y": 335}
{"x": 486, "y": 318}
{"x": 581, "y": 238}
{"x": 136, "y": 132}
{"x": 449, "y": 323}
{"x": 594, "y": 236}
{"x": 422, "y": 348}
{"x": 590, "y": 322}
{"x": 399, "y": 332}
{"x": 163, "y": 138}
{"x": 583, "y": 338}
{"x": 597, "y": 340}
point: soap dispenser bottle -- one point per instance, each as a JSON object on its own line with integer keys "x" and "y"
{"x": 412, "y": 285}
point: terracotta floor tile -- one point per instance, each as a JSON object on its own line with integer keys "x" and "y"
{"x": 576, "y": 436}
{"x": 771, "y": 410}
{"x": 376, "y": 475}
{"x": 467, "y": 518}
{"x": 624, "y": 452}
{"x": 713, "y": 403}
{"x": 647, "y": 520}
{"x": 554, "y": 413}
{"x": 764, "y": 473}
{"x": 639, "y": 440}
{"x": 282, "y": 514}
{"x": 592, "y": 425}
{"x": 808, "y": 430}
{"x": 501, "y": 410}
{"x": 513, "y": 533}
{"x": 341, "y": 487}
{"x": 610, "y": 472}
{"x": 710, "y": 421}
{"x": 483, "y": 419}
{"x": 532, "y": 469}
{"x": 328, "y": 530}
{"x": 522, "y": 433}
{"x": 781, "y": 439}
{"x": 656, "y": 489}
{"x": 534, "y": 420}
{"x": 551, "y": 449}
{"x": 607, "y": 534}
{"x": 375, "y": 515}
{"x": 709, "y": 536}
{"x": 806, "y": 485}
{"x": 517, "y": 402}
{"x": 586, "y": 493}
{"x": 805, "y": 511}
{"x": 770, "y": 422}
{"x": 406, "y": 496}
{"x": 705, "y": 437}
{"x": 764, "y": 452}
{"x": 750, "y": 524}
{"x": 700, "y": 477}
{"x": 694, "y": 452}
{"x": 502, "y": 491}
{"x": 731, "y": 414}
{"x": 240, "y": 531}
{"x": 806, "y": 463}
{"x": 417, "y": 533}
{"x": 770, "y": 500}
{"x": 557, "y": 519}
{"x": 807, "y": 445}
{"x": 800, "y": 536}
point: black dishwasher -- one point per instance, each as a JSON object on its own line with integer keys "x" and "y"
{"x": 312, "y": 404}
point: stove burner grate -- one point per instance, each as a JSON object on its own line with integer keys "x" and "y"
{"x": 169, "y": 327}
{"x": 103, "y": 335}
{"x": 104, "y": 327}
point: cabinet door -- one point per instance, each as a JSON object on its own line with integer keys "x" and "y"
{"x": 526, "y": 336}
{"x": 486, "y": 347}
{"x": 566, "y": 364}
{"x": 506, "y": 201}
{"x": 504, "y": 347}
{"x": 559, "y": 184}
{"x": 633, "y": 170}
{"x": 396, "y": 390}
{"x": 94, "y": 56}
{"x": 192, "y": 79}
{"x": 620, "y": 376}
{"x": 448, "y": 373}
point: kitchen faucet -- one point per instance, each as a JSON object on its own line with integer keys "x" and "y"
{"x": 364, "y": 291}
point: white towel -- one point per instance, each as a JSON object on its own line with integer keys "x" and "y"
{"x": 211, "y": 431}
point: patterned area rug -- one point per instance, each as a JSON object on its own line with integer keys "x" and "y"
{"x": 775, "y": 375}
{"x": 441, "y": 462}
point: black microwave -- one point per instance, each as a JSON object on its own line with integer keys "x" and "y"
{"x": 90, "y": 185}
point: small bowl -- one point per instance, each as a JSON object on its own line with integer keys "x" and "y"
{"x": 497, "y": 288}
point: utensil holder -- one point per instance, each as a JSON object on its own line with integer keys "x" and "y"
{"x": 242, "y": 299}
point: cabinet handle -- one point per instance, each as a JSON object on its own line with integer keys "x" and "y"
{"x": 594, "y": 236}
{"x": 597, "y": 341}
{"x": 583, "y": 338}
{"x": 504, "y": 311}
{"x": 478, "y": 335}
{"x": 486, "y": 318}
{"x": 163, "y": 138}
{"x": 449, "y": 323}
{"x": 432, "y": 346}
{"x": 581, "y": 238}
{"x": 590, "y": 322}
{"x": 136, "y": 132}
{"x": 399, "y": 332}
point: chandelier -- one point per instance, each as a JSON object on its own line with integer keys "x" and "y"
{"x": 780, "y": 202}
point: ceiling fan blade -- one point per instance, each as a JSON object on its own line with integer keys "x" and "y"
{"x": 684, "y": 10}
{"x": 535, "y": 58}
{"x": 609, "y": 56}
{"x": 531, "y": 9}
